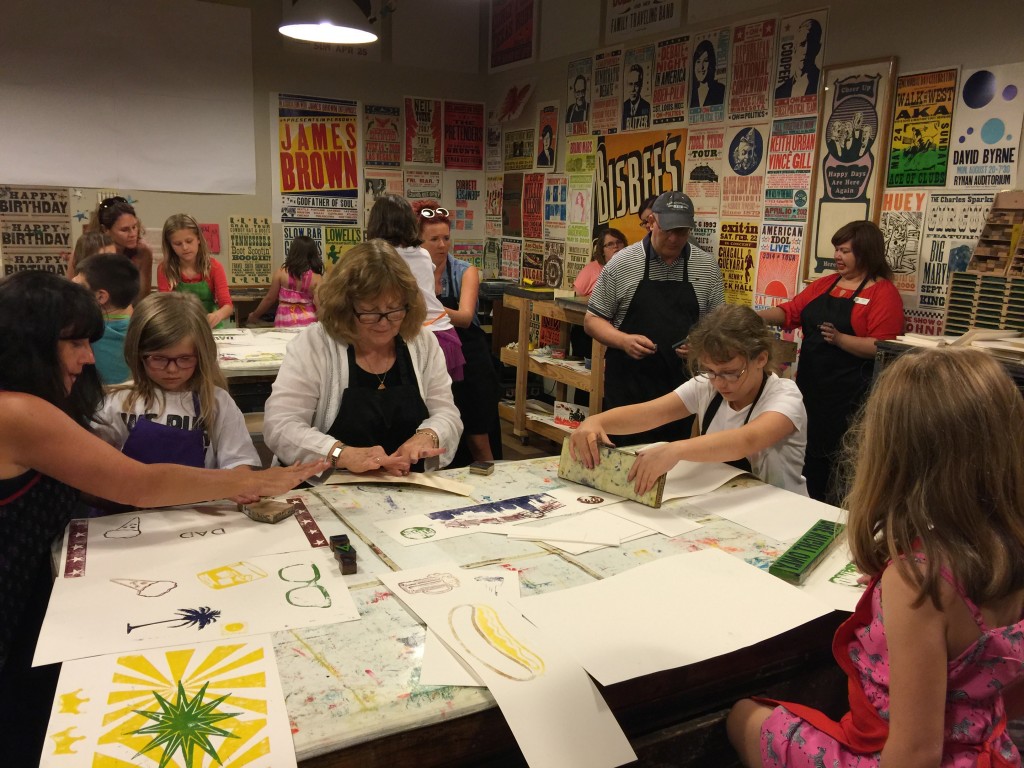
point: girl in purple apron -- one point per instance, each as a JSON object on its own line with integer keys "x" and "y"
{"x": 177, "y": 409}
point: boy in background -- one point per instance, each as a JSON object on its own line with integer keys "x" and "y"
{"x": 114, "y": 281}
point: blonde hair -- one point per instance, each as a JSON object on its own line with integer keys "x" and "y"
{"x": 368, "y": 271}
{"x": 162, "y": 320}
{"x": 938, "y": 470}
{"x": 171, "y": 264}
{"x": 728, "y": 331}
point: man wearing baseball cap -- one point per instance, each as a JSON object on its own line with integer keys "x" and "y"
{"x": 643, "y": 306}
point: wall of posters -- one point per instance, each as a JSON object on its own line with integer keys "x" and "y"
{"x": 513, "y": 33}
{"x": 251, "y": 250}
{"x": 744, "y": 170}
{"x": 902, "y": 223}
{"x": 753, "y": 50}
{"x": 986, "y": 127}
{"x": 705, "y": 148}
{"x": 737, "y": 251}
{"x": 423, "y": 131}
{"x": 35, "y": 229}
{"x": 519, "y": 150}
{"x": 633, "y": 18}
{"x": 921, "y": 127}
{"x": 382, "y": 136}
{"x": 778, "y": 264}
{"x": 952, "y": 224}
{"x": 671, "y": 62}
{"x": 637, "y": 87}
{"x": 464, "y": 135}
{"x": 317, "y": 168}
{"x": 556, "y": 197}
{"x": 547, "y": 135}
{"x": 788, "y": 176}
{"x": 709, "y": 76}
{"x": 798, "y": 68}
{"x": 578, "y": 80}
{"x": 605, "y": 94}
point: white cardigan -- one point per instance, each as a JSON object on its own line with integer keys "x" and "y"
{"x": 306, "y": 396}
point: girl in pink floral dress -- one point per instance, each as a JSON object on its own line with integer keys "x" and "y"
{"x": 935, "y": 650}
{"x": 294, "y": 286}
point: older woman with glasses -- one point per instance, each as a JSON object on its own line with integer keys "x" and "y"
{"x": 606, "y": 245}
{"x": 748, "y": 416}
{"x": 366, "y": 386}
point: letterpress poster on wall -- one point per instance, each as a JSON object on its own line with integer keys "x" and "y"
{"x": 464, "y": 199}
{"x": 464, "y": 135}
{"x": 921, "y": 128}
{"x": 605, "y": 104}
{"x": 788, "y": 177}
{"x": 635, "y": 18}
{"x": 533, "y": 205}
{"x": 902, "y": 223}
{"x": 737, "y": 249}
{"x": 423, "y": 131}
{"x": 533, "y": 260}
{"x": 637, "y": 82}
{"x": 705, "y": 233}
{"x": 798, "y": 72}
{"x": 744, "y": 170}
{"x": 379, "y": 182}
{"x": 512, "y": 205}
{"x": 35, "y": 229}
{"x": 382, "y": 136}
{"x": 519, "y": 150}
{"x": 753, "y": 50}
{"x": 577, "y": 114}
{"x": 704, "y": 153}
{"x": 251, "y": 250}
{"x": 556, "y": 197}
{"x": 952, "y": 225}
{"x": 671, "y": 62}
{"x": 492, "y": 205}
{"x": 513, "y": 38}
{"x": 709, "y": 76}
{"x": 338, "y": 241}
{"x": 778, "y": 264}
{"x": 511, "y": 258}
{"x": 423, "y": 185}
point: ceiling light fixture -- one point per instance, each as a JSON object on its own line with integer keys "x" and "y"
{"x": 325, "y": 21}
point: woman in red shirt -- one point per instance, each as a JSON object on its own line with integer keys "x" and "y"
{"x": 842, "y": 317}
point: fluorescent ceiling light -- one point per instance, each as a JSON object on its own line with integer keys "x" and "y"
{"x": 325, "y": 21}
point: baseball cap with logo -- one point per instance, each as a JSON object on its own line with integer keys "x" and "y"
{"x": 674, "y": 210}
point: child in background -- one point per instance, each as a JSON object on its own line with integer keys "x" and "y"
{"x": 178, "y": 409}
{"x": 294, "y": 286}
{"x": 933, "y": 680}
{"x": 114, "y": 281}
{"x": 188, "y": 267}
{"x": 89, "y": 244}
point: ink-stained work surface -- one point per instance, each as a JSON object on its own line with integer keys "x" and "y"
{"x": 198, "y": 706}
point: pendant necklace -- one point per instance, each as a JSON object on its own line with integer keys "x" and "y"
{"x": 381, "y": 378}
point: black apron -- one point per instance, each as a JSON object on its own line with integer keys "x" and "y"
{"x": 709, "y": 416}
{"x": 386, "y": 417}
{"x": 833, "y": 384}
{"x": 663, "y": 311}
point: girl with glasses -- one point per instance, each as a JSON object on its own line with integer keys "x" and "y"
{"x": 188, "y": 268}
{"x": 115, "y": 217}
{"x": 177, "y": 408}
{"x": 748, "y": 416}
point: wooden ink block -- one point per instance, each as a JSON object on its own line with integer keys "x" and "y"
{"x": 339, "y": 541}
{"x": 346, "y": 559}
{"x": 482, "y": 467}
{"x": 268, "y": 511}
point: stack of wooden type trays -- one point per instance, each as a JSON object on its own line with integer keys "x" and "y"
{"x": 990, "y": 294}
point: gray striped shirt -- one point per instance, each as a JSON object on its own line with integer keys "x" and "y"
{"x": 621, "y": 276}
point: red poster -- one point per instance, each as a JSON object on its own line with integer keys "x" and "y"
{"x": 464, "y": 135}
{"x": 423, "y": 131}
{"x": 533, "y": 205}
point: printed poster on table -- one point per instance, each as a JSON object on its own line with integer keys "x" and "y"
{"x": 753, "y": 50}
{"x": 464, "y": 199}
{"x": 671, "y": 59}
{"x": 511, "y": 258}
{"x": 513, "y": 38}
{"x": 464, "y": 135}
{"x": 737, "y": 249}
{"x": 986, "y": 127}
{"x": 704, "y": 151}
{"x": 554, "y": 261}
{"x": 606, "y": 94}
{"x": 519, "y": 150}
{"x": 533, "y": 206}
{"x": 492, "y": 205}
{"x": 317, "y": 167}
{"x": 35, "y": 229}
{"x": 778, "y": 264}
{"x": 798, "y": 70}
{"x": 379, "y": 182}
{"x": 423, "y": 185}
{"x": 577, "y": 114}
{"x": 512, "y": 205}
{"x": 709, "y": 76}
{"x": 493, "y": 149}
{"x": 787, "y": 182}
{"x": 547, "y": 135}
{"x": 382, "y": 136}
{"x": 921, "y": 127}
{"x": 637, "y": 88}
{"x": 744, "y": 171}
{"x": 902, "y": 224}
{"x": 625, "y": 19}
{"x": 630, "y": 168}
{"x": 952, "y": 225}
{"x": 533, "y": 260}
{"x": 251, "y": 250}
{"x": 423, "y": 131}
{"x": 556, "y": 197}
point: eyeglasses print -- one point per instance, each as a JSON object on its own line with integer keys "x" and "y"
{"x": 429, "y": 213}
{"x": 160, "y": 362}
{"x": 310, "y": 594}
{"x": 723, "y": 375}
{"x": 372, "y": 318}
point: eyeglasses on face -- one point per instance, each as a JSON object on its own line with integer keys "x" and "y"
{"x": 723, "y": 375}
{"x": 160, "y": 362}
{"x": 429, "y": 213}
{"x": 371, "y": 318}
{"x": 615, "y": 244}
{"x": 109, "y": 201}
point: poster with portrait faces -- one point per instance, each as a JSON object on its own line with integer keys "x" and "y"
{"x": 743, "y": 171}
{"x": 753, "y": 49}
{"x": 709, "y": 76}
{"x": 577, "y": 113}
{"x": 637, "y": 68}
{"x": 547, "y": 135}
{"x": 798, "y": 67}
{"x": 671, "y": 64}
{"x": 704, "y": 153}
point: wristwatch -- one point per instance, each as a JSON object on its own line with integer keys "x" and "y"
{"x": 335, "y": 454}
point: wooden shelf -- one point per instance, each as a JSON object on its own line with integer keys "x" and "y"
{"x": 591, "y": 381}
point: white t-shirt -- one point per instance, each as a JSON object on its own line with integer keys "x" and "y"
{"x": 231, "y": 447}
{"x": 423, "y": 270}
{"x": 781, "y": 464}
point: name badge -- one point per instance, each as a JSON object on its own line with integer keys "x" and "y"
{"x": 861, "y": 300}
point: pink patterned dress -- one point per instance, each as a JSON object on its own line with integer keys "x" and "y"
{"x": 295, "y": 307}
{"x": 975, "y": 716}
